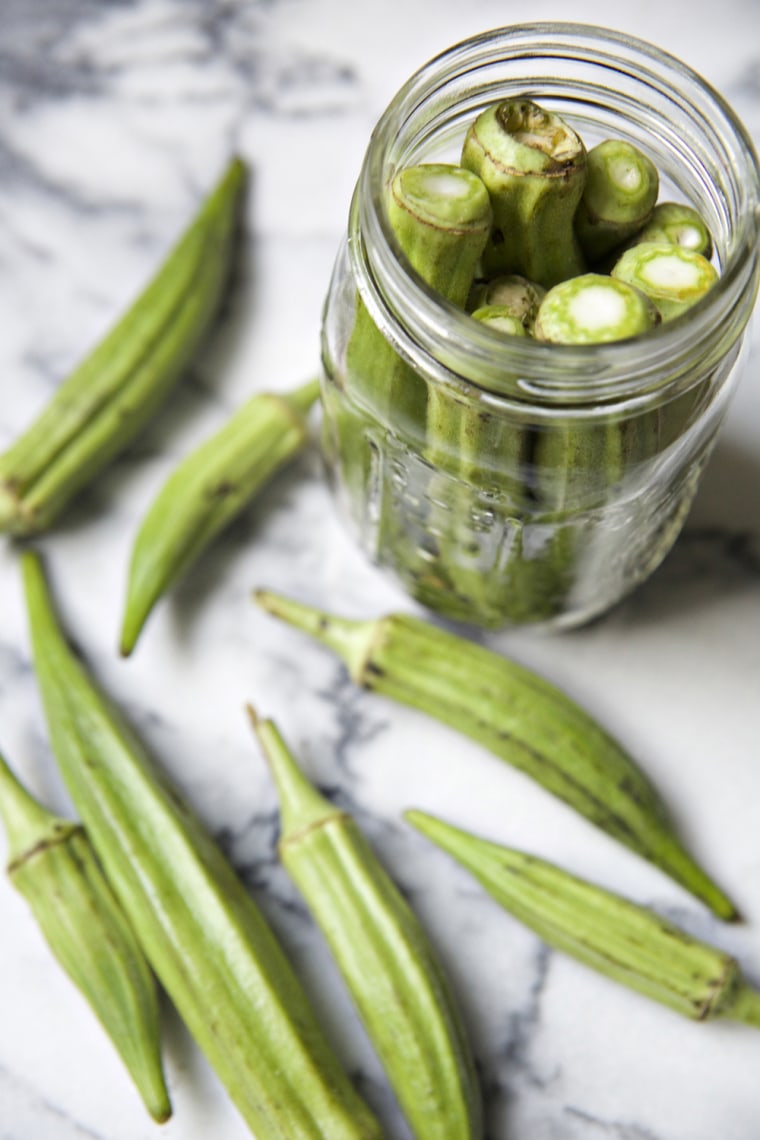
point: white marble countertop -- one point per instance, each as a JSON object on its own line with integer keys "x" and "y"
{"x": 114, "y": 119}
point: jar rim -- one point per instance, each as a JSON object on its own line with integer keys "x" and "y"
{"x": 430, "y": 332}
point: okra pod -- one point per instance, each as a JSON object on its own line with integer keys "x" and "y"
{"x": 677, "y": 224}
{"x": 200, "y": 929}
{"x": 103, "y": 404}
{"x": 519, "y": 716}
{"x": 380, "y": 948}
{"x": 478, "y": 458}
{"x": 628, "y": 943}
{"x": 593, "y": 309}
{"x": 580, "y": 460}
{"x": 501, "y": 319}
{"x": 440, "y": 216}
{"x": 519, "y": 296}
{"x": 206, "y": 491}
{"x": 618, "y": 199}
{"x": 680, "y": 226}
{"x": 673, "y": 276}
{"x": 52, "y": 864}
{"x": 534, "y": 167}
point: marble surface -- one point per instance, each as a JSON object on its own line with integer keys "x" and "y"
{"x": 114, "y": 118}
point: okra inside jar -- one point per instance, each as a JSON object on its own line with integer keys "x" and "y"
{"x": 506, "y": 479}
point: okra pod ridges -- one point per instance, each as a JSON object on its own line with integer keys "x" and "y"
{"x": 206, "y": 491}
{"x": 534, "y": 168}
{"x": 441, "y": 216}
{"x": 105, "y": 401}
{"x": 381, "y": 950}
{"x": 629, "y": 943}
{"x": 200, "y": 929}
{"x": 516, "y": 715}
{"x": 53, "y": 865}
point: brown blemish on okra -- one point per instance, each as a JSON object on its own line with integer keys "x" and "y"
{"x": 534, "y": 168}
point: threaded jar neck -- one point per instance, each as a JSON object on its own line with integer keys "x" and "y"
{"x": 605, "y": 85}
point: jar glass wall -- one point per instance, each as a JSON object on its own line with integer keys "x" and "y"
{"x": 503, "y": 480}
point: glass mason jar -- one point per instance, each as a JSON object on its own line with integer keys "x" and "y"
{"x": 503, "y": 480}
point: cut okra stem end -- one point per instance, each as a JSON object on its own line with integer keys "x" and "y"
{"x": 674, "y": 277}
{"x": 301, "y": 805}
{"x": 618, "y": 198}
{"x": 441, "y": 217}
{"x": 500, "y": 319}
{"x": 594, "y": 309}
{"x": 442, "y": 195}
{"x": 680, "y": 225}
{"x": 534, "y": 167}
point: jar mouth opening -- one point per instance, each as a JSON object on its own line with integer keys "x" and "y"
{"x": 442, "y": 340}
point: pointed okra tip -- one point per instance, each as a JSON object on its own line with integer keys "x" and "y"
{"x": 302, "y": 399}
{"x": 132, "y": 626}
{"x": 301, "y": 805}
{"x": 472, "y": 852}
{"x": 351, "y": 640}
{"x": 436, "y": 830}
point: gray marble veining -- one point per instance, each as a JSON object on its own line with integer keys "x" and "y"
{"x": 114, "y": 119}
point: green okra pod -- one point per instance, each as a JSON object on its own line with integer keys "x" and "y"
{"x": 516, "y": 294}
{"x": 594, "y": 309}
{"x": 618, "y": 199}
{"x": 581, "y": 460}
{"x": 677, "y": 224}
{"x": 206, "y": 491}
{"x": 516, "y": 714}
{"x": 673, "y": 276}
{"x": 629, "y": 943}
{"x": 502, "y": 319}
{"x": 440, "y": 216}
{"x": 108, "y": 398}
{"x": 200, "y": 929}
{"x": 386, "y": 960}
{"x": 477, "y": 456}
{"x": 52, "y": 864}
{"x": 534, "y": 167}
